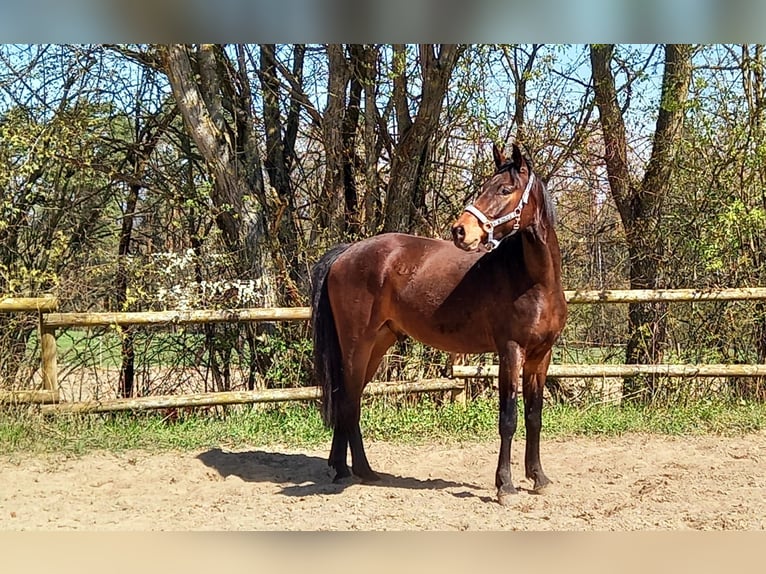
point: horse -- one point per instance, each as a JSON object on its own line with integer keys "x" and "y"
{"x": 496, "y": 287}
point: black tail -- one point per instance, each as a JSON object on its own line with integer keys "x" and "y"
{"x": 328, "y": 368}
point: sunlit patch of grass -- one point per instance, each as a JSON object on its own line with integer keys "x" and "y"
{"x": 698, "y": 417}
{"x": 428, "y": 420}
{"x": 414, "y": 421}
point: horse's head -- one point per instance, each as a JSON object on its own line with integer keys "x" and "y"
{"x": 499, "y": 210}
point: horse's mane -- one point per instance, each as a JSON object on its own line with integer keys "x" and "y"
{"x": 546, "y": 208}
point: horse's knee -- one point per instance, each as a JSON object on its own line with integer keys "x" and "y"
{"x": 508, "y": 421}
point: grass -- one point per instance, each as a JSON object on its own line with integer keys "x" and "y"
{"x": 23, "y": 432}
{"x": 699, "y": 417}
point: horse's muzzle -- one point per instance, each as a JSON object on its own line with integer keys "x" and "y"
{"x": 459, "y": 238}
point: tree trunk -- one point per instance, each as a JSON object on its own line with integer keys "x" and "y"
{"x": 373, "y": 144}
{"x": 138, "y": 155}
{"x": 232, "y": 157}
{"x": 352, "y": 225}
{"x": 640, "y": 203}
{"x": 127, "y": 366}
{"x": 279, "y": 154}
{"x": 331, "y": 205}
{"x": 201, "y": 120}
{"x": 405, "y": 193}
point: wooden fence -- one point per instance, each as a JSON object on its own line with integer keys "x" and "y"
{"x": 50, "y": 321}
{"x": 47, "y": 334}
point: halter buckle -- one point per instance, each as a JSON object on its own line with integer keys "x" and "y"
{"x": 491, "y": 244}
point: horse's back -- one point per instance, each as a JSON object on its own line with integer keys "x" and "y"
{"x": 401, "y": 262}
{"x": 414, "y": 286}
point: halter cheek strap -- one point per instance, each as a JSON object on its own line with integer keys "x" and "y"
{"x": 490, "y": 224}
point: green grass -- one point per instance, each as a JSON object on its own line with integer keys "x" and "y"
{"x": 299, "y": 425}
{"x": 699, "y": 417}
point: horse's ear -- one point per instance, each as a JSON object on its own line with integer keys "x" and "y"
{"x": 498, "y": 155}
{"x": 516, "y": 157}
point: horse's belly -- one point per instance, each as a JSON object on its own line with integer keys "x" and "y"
{"x": 454, "y": 336}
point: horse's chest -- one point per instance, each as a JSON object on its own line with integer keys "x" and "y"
{"x": 532, "y": 316}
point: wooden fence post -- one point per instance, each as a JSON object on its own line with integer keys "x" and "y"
{"x": 49, "y": 358}
{"x": 460, "y": 395}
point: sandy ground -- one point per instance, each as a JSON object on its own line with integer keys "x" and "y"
{"x": 634, "y": 482}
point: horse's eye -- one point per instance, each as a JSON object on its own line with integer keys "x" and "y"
{"x": 506, "y": 190}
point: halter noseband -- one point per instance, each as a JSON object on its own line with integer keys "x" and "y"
{"x": 489, "y": 225}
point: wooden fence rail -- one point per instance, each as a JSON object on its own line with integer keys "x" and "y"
{"x": 604, "y": 371}
{"x": 58, "y": 320}
{"x": 44, "y": 304}
{"x": 243, "y": 397}
{"x": 656, "y": 295}
{"x": 50, "y": 321}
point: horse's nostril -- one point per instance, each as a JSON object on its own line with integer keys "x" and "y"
{"x": 458, "y": 233}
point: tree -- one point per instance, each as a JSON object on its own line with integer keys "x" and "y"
{"x": 715, "y": 227}
{"x": 639, "y": 202}
{"x": 215, "y": 100}
{"x": 147, "y": 134}
{"x": 54, "y": 200}
{"x": 405, "y": 193}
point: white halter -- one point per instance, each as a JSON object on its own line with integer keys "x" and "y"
{"x": 489, "y": 225}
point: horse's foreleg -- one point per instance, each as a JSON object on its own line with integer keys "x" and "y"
{"x": 511, "y": 360}
{"x": 534, "y": 382}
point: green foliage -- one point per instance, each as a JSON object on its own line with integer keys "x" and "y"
{"x": 704, "y": 416}
{"x": 290, "y": 359}
{"x": 732, "y": 230}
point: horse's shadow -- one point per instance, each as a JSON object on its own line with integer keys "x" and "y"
{"x": 303, "y": 475}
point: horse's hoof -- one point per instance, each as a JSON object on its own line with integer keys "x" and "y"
{"x": 367, "y": 476}
{"x": 506, "y": 495}
{"x": 342, "y": 476}
{"x": 542, "y": 486}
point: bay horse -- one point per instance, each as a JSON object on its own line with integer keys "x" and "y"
{"x": 496, "y": 287}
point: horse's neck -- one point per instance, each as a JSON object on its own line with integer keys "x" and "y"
{"x": 542, "y": 256}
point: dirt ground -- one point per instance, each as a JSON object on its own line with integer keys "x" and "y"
{"x": 633, "y": 482}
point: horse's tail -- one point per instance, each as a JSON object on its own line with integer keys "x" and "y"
{"x": 328, "y": 367}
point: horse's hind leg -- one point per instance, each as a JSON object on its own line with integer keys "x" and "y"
{"x": 360, "y": 466}
{"x": 365, "y": 367}
{"x": 347, "y": 433}
{"x": 338, "y": 453}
